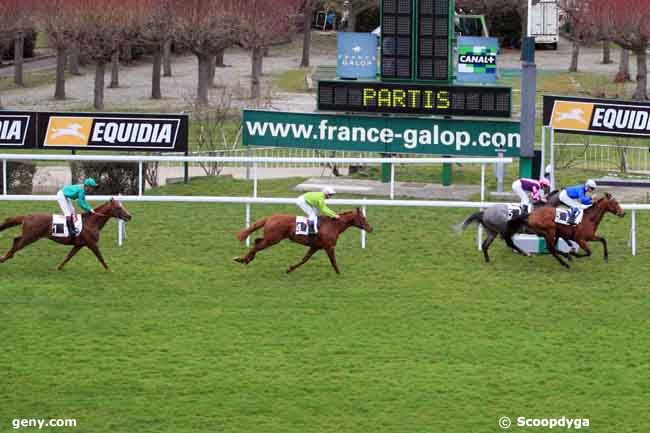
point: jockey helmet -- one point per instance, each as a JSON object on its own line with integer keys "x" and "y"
{"x": 90, "y": 182}
{"x": 545, "y": 182}
{"x": 328, "y": 190}
{"x": 591, "y": 184}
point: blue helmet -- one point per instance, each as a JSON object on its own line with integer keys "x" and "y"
{"x": 90, "y": 182}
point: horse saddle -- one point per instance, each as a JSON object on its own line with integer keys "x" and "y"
{"x": 514, "y": 211}
{"x": 302, "y": 225}
{"x": 563, "y": 216}
{"x": 60, "y": 228}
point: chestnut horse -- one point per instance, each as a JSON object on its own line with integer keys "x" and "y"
{"x": 542, "y": 222}
{"x": 39, "y": 226}
{"x": 281, "y": 226}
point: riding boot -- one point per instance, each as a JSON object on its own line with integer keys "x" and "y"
{"x": 71, "y": 229}
{"x": 312, "y": 228}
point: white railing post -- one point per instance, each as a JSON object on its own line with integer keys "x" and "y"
{"x": 140, "y": 179}
{"x": 542, "y": 165}
{"x": 248, "y": 222}
{"x": 120, "y": 231}
{"x": 392, "y": 180}
{"x": 552, "y": 156}
{"x": 633, "y": 232}
{"x": 4, "y": 177}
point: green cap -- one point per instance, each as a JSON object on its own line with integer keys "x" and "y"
{"x": 90, "y": 182}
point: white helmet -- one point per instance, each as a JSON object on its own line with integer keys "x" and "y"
{"x": 328, "y": 190}
{"x": 591, "y": 184}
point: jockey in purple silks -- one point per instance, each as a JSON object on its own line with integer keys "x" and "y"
{"x": 527, "y": 188}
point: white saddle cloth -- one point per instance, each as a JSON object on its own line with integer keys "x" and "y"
{"x": 60, "y": 228}
{"x": 562, "y": 216}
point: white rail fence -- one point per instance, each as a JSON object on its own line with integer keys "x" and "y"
{"x": 249, "y": 201}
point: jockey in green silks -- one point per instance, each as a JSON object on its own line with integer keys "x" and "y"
{"x": 67, "y": 194}
{"x": 313, "y": 203}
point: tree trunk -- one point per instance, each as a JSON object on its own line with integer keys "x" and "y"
{"x": 100, "y": 69}
{"x": 623, "y": 73}
{"x": 115, "y": 71}
{"x": 258, "y": 58}
{"x": 204, "y": 79}
{"x": 641, "y": 92}
{"x": 575, "y": 51}
{"x": 607, "y": 56}
{"x": 167, "y": 58}
{"x": 19, "y": 45}
{"x": 306, "y": 37}
{"x": 128, "y": 53}
{"x": 73, "y": 60}
{"x": 156, "y": 92}
{"x": 59, "y": 91}
{"x": 213, "y": 66}
{"x": 218, "y": 59}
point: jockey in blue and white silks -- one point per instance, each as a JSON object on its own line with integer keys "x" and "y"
{"x": 578, "y": 197}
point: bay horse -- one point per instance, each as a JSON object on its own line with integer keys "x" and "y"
{"x": 542, "y": 222}
{"x": 282, "y": 226}
{"x": 39, "y": 226}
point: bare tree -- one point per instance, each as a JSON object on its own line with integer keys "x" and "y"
{"x": 14, "y": 21}
{"x": 575, "y": 10}
{"x": 308, "y": 12}
{"x": 206, "y": 28}
{"x": 627, "y": 23}
{"x": 623, "y": 73}
{"x": 261, "y": 24}
{"x": 157, "y": 33}
{"x": 104, "y": 25}
{"x": 58, "y": 18}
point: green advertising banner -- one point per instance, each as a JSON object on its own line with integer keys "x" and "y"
{"x": 381, "y": 134}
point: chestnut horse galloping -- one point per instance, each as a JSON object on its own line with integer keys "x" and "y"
{"x": 39, "y": 226}
{"x": 542, "y": 222}
{"x": 281, "y": 226}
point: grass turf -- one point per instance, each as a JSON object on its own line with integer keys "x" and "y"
{"x": 416, "y": 335}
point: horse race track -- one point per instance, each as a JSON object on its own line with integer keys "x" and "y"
{"x": 416, "y": 335}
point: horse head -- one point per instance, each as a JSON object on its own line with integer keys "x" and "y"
{"x": 115, "y": 209}
{"x": 361, "y": 222}
{"x": 609, "y": 204}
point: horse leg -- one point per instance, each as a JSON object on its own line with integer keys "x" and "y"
{"x": 332, "y": 255}
{"x": 95, "y": 249}
{"x": 485, "y": 246}
{"x": 508, "y": 239}
{"x": 258, "y": 245}
{"x": 19, "y": 243}
{"x": 604, "y": 242}
{"x": 585, "y": 248}
{"x": 550, "y": 244}
{"x": 303, "y": 261}
{"x": 71, "y": 254}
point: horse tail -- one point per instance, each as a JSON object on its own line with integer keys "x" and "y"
{"x": 242, "y": 235}
{"x": 473, "y": 218}
{"x": 11, "y": 222}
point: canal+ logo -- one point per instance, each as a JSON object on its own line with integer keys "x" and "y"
{"x": 97, "y": 132}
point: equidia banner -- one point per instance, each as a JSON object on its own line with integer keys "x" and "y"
{"x": 381, "y": 134}
{"x": 356, "y": 55}
{"x": 17, "y": 129}
{"x": 597, "y": 116}
{"x": 477, "y": 59}
{"x": 113, "y": 131}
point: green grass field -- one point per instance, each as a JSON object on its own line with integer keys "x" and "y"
{"x": 416, "y": 335}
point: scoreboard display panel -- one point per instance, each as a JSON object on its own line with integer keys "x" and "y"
{"x": 396, "y": 39}
{"x": 433, "y": 41}
{"x": 420, "y": 99}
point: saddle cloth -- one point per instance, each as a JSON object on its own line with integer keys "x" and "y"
{"x": 60, "y": 228}
{"x": 514, "y": 211}
{"x": 562, "y": 216}
{"x": 302, "y": 225}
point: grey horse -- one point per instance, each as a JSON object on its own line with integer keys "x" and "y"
{"x": 497, "y": 222}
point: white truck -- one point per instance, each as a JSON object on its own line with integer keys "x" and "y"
{"x": 544, "y": 22}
